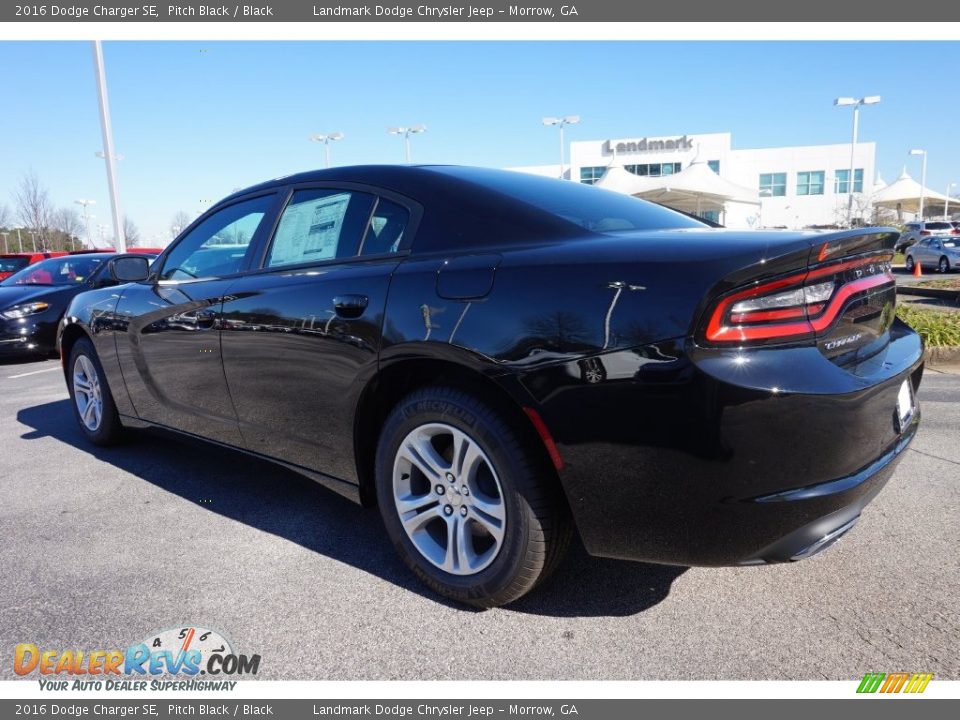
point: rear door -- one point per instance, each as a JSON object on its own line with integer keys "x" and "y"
{"x": 170, "y": 353}
{"x": 301, "y": 335}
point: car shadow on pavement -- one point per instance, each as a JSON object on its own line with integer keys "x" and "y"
{"x": 281, "y": 502}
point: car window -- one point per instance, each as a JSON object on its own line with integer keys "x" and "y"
{"x": 320, "y": 224}
{"x": 12, "y": 264}
{"x": 951, "y": 244}
{"x": 925, "y": 242}
{"x": 939, "y": 226}
{"x": 56, "y": 271}
{"x": 387, "y": 226}
{"x": 219, "y": 244}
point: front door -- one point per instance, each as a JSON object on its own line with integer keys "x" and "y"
{"x": 170, "y": 352}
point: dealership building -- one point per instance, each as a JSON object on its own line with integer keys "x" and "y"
{"x": 793, "y": 187}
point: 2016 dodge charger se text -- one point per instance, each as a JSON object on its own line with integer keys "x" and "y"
{"x": 499, "y": 360}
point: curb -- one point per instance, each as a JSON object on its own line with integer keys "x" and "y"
{"x": 940, "y": 293}
{"x": 942, "y": 356}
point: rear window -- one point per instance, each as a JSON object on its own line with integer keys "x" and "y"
{"x": 591, "y": 208}
{"x": 10, "y": 265}
{"x": 939, "y": 226}
{"x": 950, "y": 244}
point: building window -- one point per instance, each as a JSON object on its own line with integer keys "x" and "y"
{"x": 773, "y": 184}
{"x": 589, "y": 175}
{"x": 810, "y": 183}
{"x": 843, "y": 181}
{"x": 654, "y": 169}
{"x": 714, "y": 165}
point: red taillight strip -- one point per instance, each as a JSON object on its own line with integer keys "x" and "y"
{"x": 717, "y": 333}
{"x": 544, "y": 432}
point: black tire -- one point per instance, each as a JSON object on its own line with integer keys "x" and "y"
{"x": 944, "y": 265}
{"x": 109, "y": 430}
{"x": 537, "y": 526}
{"x": 910, "y": 263}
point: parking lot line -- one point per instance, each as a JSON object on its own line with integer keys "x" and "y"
{"x": 35, "y": 372}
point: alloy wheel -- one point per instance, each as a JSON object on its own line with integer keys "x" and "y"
{"x": 87, "y": 393}
{"x": 449, "y": 499}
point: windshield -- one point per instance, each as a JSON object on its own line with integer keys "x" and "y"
{"x": 56, "y": 271}
{"x": 12, "y": 264}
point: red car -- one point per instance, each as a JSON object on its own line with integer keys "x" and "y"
{"x": 14, "y": 262}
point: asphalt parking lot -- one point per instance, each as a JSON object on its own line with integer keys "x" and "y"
{"x": 102, "y": 547}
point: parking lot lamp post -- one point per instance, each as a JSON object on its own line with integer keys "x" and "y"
{"x": 326, "y": 139}
{"x": 855, "y": 103}
{"x": 19, "y": 240}
{"x": 407, "y": 132}
{"x": 561, "y": 122}
{"x": 946, "y": 205}
{"x": 923, "y": 177}
{"x": 86, "y": 217}
{"x": 6, "y": 248}
{"x": 108, "y": 153}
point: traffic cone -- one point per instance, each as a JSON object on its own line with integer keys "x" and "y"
{"x": 917, "y": 272}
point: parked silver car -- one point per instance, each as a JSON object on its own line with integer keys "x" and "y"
{"x": 914, "y": 231}
{"x": 941, "y": 252}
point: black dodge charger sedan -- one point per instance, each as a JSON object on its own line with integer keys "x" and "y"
{"x": 497, "y": 360}
{"x": 33, "y": 300}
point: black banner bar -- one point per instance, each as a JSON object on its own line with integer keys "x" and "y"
{"x": 479, "y": 11}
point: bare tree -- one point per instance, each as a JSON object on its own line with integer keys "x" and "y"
{"x": 130, "y": 232}
{"x": 68, "y": 221}
{"x": 32, "y": 202}
{"x": 179, "y": 222}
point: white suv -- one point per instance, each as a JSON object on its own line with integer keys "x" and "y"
{"x": 914, "y": 231}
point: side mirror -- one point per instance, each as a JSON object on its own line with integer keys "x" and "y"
{"x": 129, "y": 269}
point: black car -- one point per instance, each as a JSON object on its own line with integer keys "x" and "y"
{"x": 33, "y": 300}
{"x": 498, "y": 360}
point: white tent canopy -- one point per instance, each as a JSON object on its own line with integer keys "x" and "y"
{"x": 694, "y": 189}
{"x": 904, "y": 194}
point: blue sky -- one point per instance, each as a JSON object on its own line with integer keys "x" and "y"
{"x": 195, "y": 120}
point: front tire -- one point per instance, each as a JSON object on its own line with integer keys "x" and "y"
{"x": 471, "y": 509}
{"x": 910, "y": 263}
{"x": 944, "y": 265}
{"x": 90, "y": 396}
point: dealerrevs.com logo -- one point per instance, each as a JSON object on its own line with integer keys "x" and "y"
{"x": 185, "y": 652}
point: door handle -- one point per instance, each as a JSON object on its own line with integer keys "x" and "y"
{"x": 350, "y": 306}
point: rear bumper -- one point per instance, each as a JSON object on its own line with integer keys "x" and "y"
{"x": 687, "y": 457}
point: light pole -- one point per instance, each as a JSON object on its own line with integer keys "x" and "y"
{"x": 86, "y": 216}
{"x": 923, "y": 177}
{"x": 325, "y": 139}
{"x": 856, "y": 103}
{"x": 6, "y": 248}
{"x": 562, "y": 122}
{"x": 946, "y": 205}
{"x": 407, "y": 132}
{"x": 108, "y": 153}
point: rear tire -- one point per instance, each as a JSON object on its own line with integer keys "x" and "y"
{"x": 944, "y": 265}
{"x": 90, "y": 396}
{"x": 474, "y": 512}
{"x": 910, "y": 263}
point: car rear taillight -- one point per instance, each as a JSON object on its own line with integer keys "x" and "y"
{"x": 924, "y": 232}
{"x": 794, "y": 307}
